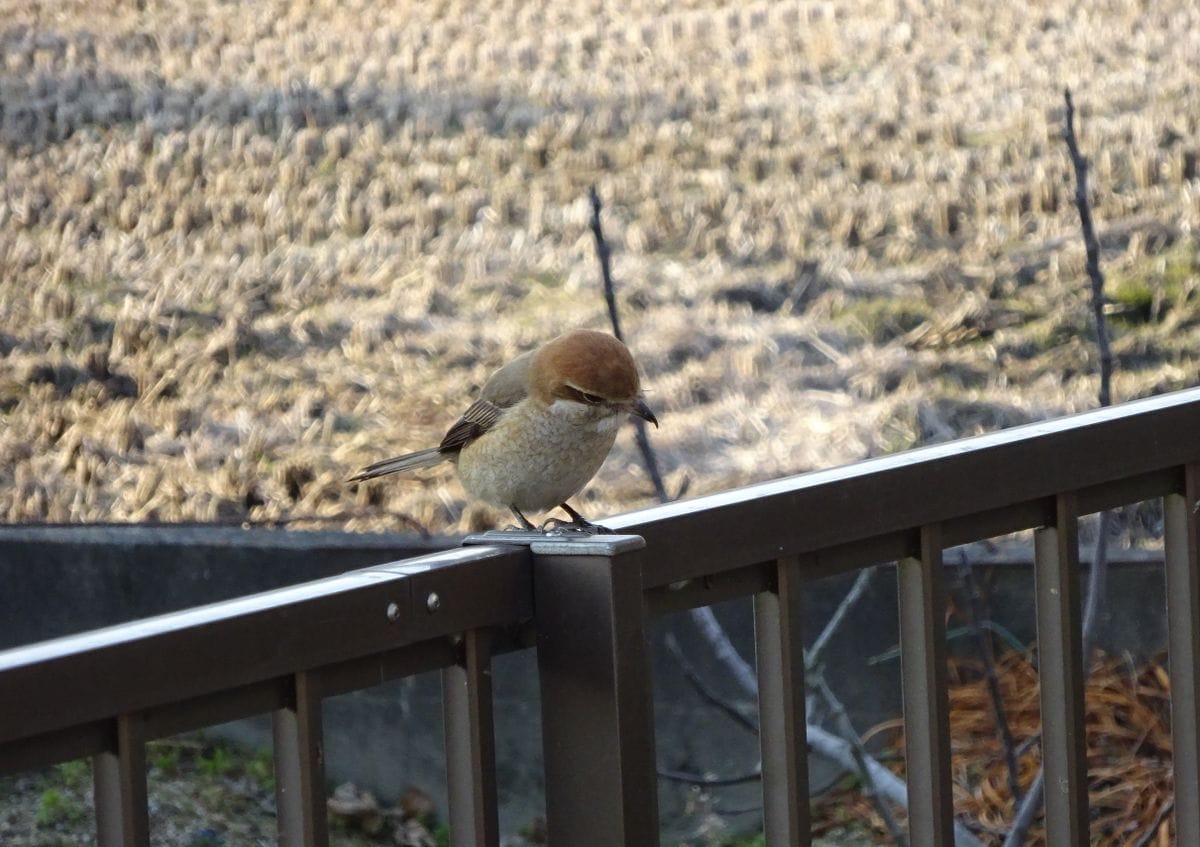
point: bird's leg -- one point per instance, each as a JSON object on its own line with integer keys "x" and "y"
{"x": 577, "y": 522}
{"x": 526, "y": 524}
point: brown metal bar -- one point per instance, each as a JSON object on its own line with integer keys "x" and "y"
{"x": 471, "y": 745}
{"x": 923, "y": 678}
{"x": 705, "y": 591}
{"x": 119, "y": 784}
{"x": 220, "y": 707}
{"x": 597, "y": 707}
{"x": 970, "y": 476}
{"x": 779, "y": 656}
{"x": 1131, "y": 489}
{"x": 300, "y": 767}
{"x": 178, "y": 656}
{"x": 1183, "y": 649}
{"x": 62, "y": 745}
{"x": 1060, "y": 670}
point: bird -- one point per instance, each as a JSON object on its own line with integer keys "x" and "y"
{"x": 542, "y": 427}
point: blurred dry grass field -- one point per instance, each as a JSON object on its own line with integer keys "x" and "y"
{"x": 247, "y": 247}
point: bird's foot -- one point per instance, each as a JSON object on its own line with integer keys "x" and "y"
{"x": 581, "y": 526}
{"x": 518, "y": 529}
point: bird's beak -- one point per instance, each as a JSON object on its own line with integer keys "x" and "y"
{"x": 638, "y": 407}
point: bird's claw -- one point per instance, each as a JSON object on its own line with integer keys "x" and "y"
{"x": 557, "y": 526}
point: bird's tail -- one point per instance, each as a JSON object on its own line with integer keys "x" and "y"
{"x": 420, "y": 459}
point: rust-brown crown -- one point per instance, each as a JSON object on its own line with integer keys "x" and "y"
{"x": 594, "y": 363}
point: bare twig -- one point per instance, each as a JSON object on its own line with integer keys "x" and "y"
{"x": 605, "y": 256}
{"x": 839, "y": 750}
{"x": 710, "y": 781}
{"x": 1152, "y": 833}
{"x": 813, "y": 655}
{"x": 724, "y": 650}
{"x": 849, "y": 753}
{"x": 1093, "y": 251}
{"x": 704, "y": 690}
{"x": 610, "y": 296}
{"x": 1097, "y": 579}
{"x": 847, "y": 731}
{"x": 846, "y": 752}
{"x": 984, "y": 646}
{"x": 1027, "y": 812}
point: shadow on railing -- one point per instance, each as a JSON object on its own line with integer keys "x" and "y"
{"x": 585, "y": 605}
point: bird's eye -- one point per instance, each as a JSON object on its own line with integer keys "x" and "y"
{"x": 591, "y": 398}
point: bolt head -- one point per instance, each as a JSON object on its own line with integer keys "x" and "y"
{"x": 433, "y": 602}
{"x": 393, "y": 612}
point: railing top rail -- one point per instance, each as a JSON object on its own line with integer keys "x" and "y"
{"x": 250, "y": 639}
{"x": 903, "y": 491}
{"x": 262, "y": 637}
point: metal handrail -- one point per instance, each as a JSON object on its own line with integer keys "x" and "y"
{"x": 105, "y": 692}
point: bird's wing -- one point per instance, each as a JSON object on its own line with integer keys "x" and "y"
{"x": 509, "y": 385}
{"x": 475, "y": 421}
{"x": 504, "y": 389}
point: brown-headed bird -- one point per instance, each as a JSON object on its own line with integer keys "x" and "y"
{"x": 541, "y": 428}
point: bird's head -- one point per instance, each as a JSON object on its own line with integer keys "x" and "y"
{"x": 592, "y": 371}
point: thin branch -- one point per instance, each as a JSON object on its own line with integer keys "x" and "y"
{"x": 839, "y": 751}
{"x": 1097, "y": 579}
{"x": 984, "y": 646}
{"x": 812, "y": 656}
{"x": 736, "y": 810}
{"x": 709, "y": 781}
{"x": 1093, "y": 251}
{"x": 1027, "y": 812}
{"x": 860, "y": 755}
{"x": 610, "y": 296}
{"x": 605, "y": 256}
{"x": 1163, "y": 812}
{"x": 724, "y": 650}
{"x": 849, "y": 754}
{"x": 703, "y": 689}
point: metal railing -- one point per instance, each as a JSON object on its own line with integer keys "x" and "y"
{"x": 585, "y": 606}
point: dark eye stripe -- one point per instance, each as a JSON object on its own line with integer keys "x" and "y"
{"x": 570, "y": 392}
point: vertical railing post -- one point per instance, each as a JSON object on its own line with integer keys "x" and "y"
{"x": 783, "y": 739}
{"x": 471, "y": 745}
{"x": 597, "y": 705}
{"x": 119, "y": 783}
{"x": 1183, "y": 649}
{"x": 1060, "y": 672}
{"x": 922, "y": 599}
{"x": 300, "y": 767}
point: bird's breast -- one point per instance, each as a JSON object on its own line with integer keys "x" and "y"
{"x": 535, "y": 458}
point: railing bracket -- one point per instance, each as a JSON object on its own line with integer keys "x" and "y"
{"x": 560, "y": 543}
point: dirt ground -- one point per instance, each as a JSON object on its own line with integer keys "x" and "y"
{"x": 204, "y": 794}
{"x": 246, "y": 248}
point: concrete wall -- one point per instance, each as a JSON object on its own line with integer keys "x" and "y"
{"x": 59, "y": 580}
